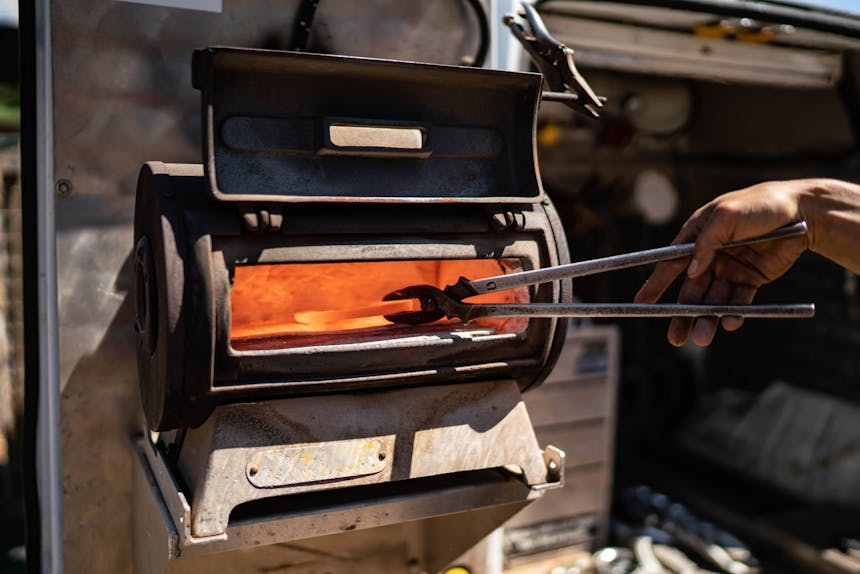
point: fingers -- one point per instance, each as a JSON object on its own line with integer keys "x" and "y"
{"x": 741, "y": 295}
{"x": 679, "y": 330}
{"x": 666, "y": 272}
{"x": 692, "y": 292}
{"x": 705, "y": 328}
{"x": 662, "y": 276}
{"x": 716, "y": 231}
{"x": 734, "y": 276}
{"x": 707, "y": 289}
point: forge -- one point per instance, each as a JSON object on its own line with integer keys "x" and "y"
{"x": 281, "y": 403}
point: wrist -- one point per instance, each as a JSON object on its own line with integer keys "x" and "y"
{"x": 810, "y": 195}
{"x": 830, "y": 208}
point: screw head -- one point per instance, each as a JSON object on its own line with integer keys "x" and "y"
{"x": 64, "y": 187}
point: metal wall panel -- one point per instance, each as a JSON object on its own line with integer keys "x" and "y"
{"x": 122, "y": 95}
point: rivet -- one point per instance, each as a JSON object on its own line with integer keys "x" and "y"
{"x": 64, "y": 187}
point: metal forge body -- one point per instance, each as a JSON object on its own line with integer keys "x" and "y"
{"x": 281, "y": 404}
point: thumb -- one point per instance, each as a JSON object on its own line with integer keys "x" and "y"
{"x": 714, "y": 235}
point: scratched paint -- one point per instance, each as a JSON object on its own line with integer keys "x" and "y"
{"x": 286, "y": 466}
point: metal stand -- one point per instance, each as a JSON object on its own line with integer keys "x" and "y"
{"x": 454, "y": 462}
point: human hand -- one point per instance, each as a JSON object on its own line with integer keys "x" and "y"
{"x": 730, "y": 276}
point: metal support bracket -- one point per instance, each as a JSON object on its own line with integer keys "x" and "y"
{"x": 173, "y": 497}
{"x": 554, "y": 459}
{"x": 451, "y": 461}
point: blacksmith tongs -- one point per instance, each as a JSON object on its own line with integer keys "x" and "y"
{"x": 448, "y": 302}
{"x": 555, "y": 62}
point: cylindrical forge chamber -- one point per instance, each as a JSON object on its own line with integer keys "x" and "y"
{"x": 261, "y": 273}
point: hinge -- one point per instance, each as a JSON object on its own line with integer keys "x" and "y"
{"x": 261, "y": 217}
{"x": 507, "y": 220}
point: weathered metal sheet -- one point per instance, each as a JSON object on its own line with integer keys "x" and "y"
{"x": 186, "y": 361}
{"x": 122, "y": 94}
{"x": 279, "y": 107}
{"x": 285, "y": 466}
{"x": 377, "y": 536}
{"x": 424, "y": 432}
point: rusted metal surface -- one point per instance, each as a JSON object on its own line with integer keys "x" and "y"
{"x": 289, "y": 465}
{"x": 249, "y": 451}
{"x": 268, "y": 118}
{"x": 195, "y": 244}
{"x": 378, "y": 535}
{"x": 115, "y": 106}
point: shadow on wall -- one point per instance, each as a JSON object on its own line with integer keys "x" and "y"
{"x": 99, "y": 415}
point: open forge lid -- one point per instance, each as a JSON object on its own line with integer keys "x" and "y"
{"x": 296, "y": 127}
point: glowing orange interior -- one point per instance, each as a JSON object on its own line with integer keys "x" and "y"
{"x": 296, "y": 304}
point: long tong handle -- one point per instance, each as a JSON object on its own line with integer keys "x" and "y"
{"x": 469, "y": 312}
{"x": 623, "y": 261}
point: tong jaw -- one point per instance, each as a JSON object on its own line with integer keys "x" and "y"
{"x": 435, "y": 304}
{"x": 553, "y": 59}
{"x": 428, "y": 296}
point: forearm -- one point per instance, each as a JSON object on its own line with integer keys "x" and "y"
{"x": 831, "y": 208}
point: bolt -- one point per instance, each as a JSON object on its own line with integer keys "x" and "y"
{"x": 64, "y": 187}
{"x": 491, "y": 285}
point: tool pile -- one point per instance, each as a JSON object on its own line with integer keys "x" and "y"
{"x": 663, "y": 536}
{"x": 653, "y": 534}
